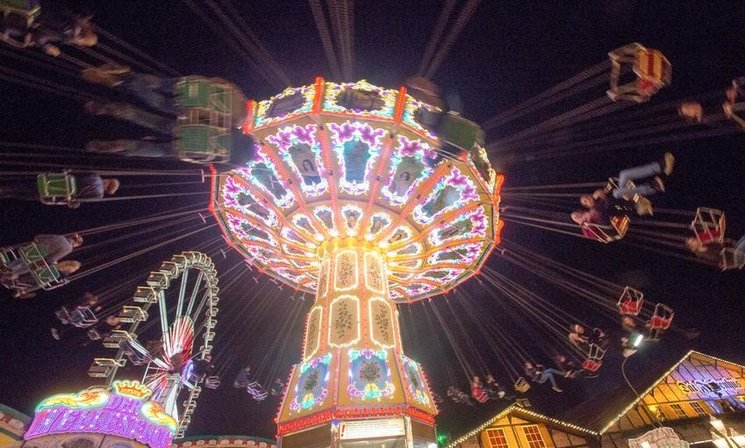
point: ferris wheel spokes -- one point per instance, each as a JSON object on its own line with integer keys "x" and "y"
{"x": 185, "y": 313}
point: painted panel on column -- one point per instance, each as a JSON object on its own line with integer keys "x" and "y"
{"x": 382, "y": 331}
{"x": 417, "y": 390}
{"x": 344, "y": 326}
{"x": 374, "y": 273}
{"x": 346, "y": 271}
{"x": 323, "y": 279}
{"x": 313, "y": 332}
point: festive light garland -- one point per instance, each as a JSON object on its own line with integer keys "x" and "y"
{"x": 387, "y": 96}
{"x": 306, "y": 92}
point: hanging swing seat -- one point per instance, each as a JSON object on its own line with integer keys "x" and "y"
{"x": 595, "y": 352}
{"x": 594, "y": 359}
{"x": 56, "y": 188}
{"x": 79, "y": 317}
{"x": 145, "y": 294}
{"x": 709, "y": 225}
{"x": 618, "y": 224}
{"x": 132, "y": 314}
{"x": 660, "y": 321}
{"x": 732, "y": 258}
{"x": 18, "y": 16}
{"x": 458, "y": 134}
{"x": 614, "y": 231}
{"x": 205, "y": 121}
{"x": 212, "y": 382}
{"x": 104, "y": 367}
{"x": 276, "y": 389}
{"x": 733, "y": 109}
{"x": 631, "y": 301}
{"x": 43, "y": 275}
{"x": 661, "y": 318}
{"x": 158, "y": 279}
{"x": 25, "y": 8}
{"x": 256, "y": 391}
{"x": 592, "y": 365}
{"x": 522, "y": 385}
{"x": 650, "y": 69}
{"x": 117, "y": 338}
{"x": 136, "y": 355}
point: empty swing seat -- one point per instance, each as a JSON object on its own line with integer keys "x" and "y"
{"x": 212, "y": 382}
{"x": 649, "y": 68}
{"x": 631, "y": 301}
{"x": 660, "y": 321}
{"x": 116, "y": 338}
{"x": 145, "y": 294}
{"x": 104, "y": 367}
{"x": 662, "y": 317}
{"x": 131, "y": 314}
{"x": 709, "y": 225}
{"x": 732, "y": 258}
{"x": 594, "y": 359}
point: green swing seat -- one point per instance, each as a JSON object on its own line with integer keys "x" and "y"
{"x": 56, "y": 188}
{"x": 203, "y": 131}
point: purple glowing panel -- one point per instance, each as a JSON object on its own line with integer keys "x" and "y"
{"x": 120, "y": 416}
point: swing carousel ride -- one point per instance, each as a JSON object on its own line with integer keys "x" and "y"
{"x": 369, "y": 198}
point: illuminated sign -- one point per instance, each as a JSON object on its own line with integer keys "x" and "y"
{"x": 710, "y": 386}
{"x": 370, "y": 429}
{"x": 659, "y": 438}
{"x": 122, "y": 412}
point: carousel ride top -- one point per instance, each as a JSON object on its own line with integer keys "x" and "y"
{"x": 353, "y": 164}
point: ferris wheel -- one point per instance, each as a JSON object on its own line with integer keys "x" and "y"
{"x": 169, "y": 344}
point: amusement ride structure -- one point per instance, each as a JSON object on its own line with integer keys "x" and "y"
{"x": 365, "y": 197}
{"x": 349, "y": 197}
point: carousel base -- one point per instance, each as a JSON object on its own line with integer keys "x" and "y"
{"x": 398, "y": 432}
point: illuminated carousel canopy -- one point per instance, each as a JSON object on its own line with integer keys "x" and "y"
{"x": 338, "y": 162}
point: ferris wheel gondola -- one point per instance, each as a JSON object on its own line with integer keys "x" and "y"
{"x": 175, "y": 338}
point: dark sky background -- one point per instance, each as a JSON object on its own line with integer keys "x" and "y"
{"x": 510, "y": 51}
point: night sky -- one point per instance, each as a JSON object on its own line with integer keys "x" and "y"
{"x": 510, "y": 51}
